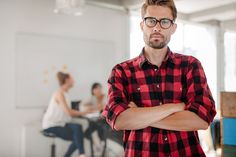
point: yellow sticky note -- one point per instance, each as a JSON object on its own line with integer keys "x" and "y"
{"x": 45, "y": 72}
{"x": 64, "y": 67}
{"x": 45, "y": 81}
{"x": 54, "y": 67}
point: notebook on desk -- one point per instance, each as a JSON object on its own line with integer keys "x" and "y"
{"x": 75, "y": 105}
{"x": 93, "y": 115}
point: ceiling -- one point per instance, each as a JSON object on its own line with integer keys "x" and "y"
{"x": 193, "y": 10}
{"x": 207, "y": 10}
{"x": 191, "y": 6}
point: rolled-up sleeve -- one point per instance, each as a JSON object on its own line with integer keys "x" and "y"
{"x": 117, "y": 96}
{"x": 198, "y": 97}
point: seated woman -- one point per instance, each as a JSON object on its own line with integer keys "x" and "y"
{"x": 57, "y": 119}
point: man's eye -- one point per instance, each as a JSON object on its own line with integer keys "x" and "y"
{"x": 152, "y": 21}
{"x": 165, "y": 21}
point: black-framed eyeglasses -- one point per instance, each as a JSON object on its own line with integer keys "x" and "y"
{"x": 164, "y": 23}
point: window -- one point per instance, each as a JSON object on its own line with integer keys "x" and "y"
{"x": 230, "y": 61}
{"x": 136, "y": 37}
{"x": 200, "y": 42}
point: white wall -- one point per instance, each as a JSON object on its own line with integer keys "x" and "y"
{"x": 36, "y": 16}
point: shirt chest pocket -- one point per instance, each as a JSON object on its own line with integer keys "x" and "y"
{"x": 139, "y": 93}
{"x": 173, "y": 92}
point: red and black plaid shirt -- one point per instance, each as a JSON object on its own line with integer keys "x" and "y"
{"x": 180, "y": 78}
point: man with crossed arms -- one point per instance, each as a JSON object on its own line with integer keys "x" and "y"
{"x": 160, "y": 98}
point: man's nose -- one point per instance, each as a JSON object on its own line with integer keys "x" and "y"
{"x": 157, "y": 28}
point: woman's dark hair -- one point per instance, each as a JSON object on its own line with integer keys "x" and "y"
{"x": 94, "y": 86}
{"x": 62, "y": 77}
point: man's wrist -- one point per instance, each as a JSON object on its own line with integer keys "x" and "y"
{"x": 176, "y": 107}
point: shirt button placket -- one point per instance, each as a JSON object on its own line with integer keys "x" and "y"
{"x": 165, "y": 139}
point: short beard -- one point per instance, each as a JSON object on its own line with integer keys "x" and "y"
{"x": 156, "y": 44}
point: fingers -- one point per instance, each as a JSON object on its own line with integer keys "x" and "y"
{"x": 132, "y": 105}
{"x": 182, "y": 104}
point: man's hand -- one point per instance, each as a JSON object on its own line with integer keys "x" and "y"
{"x": 132, "y": 105}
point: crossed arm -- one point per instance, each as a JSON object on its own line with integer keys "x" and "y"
{"x": 167, "y": 116}
{"x": 182, "y": 121}
{"x": 200, "y": 106}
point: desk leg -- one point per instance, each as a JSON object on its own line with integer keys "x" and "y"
{"x": 53, "y": 150}
{"x": 91, "y": 146}
{"x": 104, "y": 149}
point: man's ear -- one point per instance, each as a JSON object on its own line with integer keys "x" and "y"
{"x": 141, "y": 25}
{"x": 174, "y": 28}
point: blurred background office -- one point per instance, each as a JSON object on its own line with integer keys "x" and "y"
{"x": 86, "y": 38}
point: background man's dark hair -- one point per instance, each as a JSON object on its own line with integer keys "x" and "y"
{"x": 94, "y": 86}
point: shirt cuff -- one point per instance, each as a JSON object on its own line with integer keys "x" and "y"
{"x": 111, "y": 112}
{"x": 202, "y": 112}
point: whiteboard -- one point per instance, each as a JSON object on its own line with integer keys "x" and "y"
{"x": 40, "y": 57}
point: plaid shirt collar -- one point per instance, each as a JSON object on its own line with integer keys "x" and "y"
{"x": 143, "y": 60}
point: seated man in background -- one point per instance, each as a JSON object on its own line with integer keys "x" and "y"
{"x": 57, "y": 119}
{"x": 96, "y": 101}
{"x": 98, "y": 96}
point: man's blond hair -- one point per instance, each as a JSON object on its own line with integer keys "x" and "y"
{"x": 165, "y": 3}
